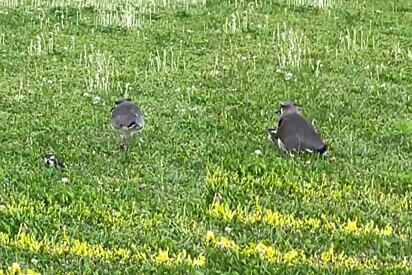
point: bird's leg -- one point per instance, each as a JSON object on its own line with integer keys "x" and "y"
{"x": 123, "y": 145}
{"x": 126, "y": 144}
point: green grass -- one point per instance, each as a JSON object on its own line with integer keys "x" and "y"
{"x": 62, "y": 69}
{"x": 349, "y": 66}
{"x": 193, "y": 197}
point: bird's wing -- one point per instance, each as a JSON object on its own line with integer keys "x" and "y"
{"x": 291, "y": 142}
{"x": 286, "y": 132}
{"x": 129, "y": 121}
{"x": 308, "y": 136}
{"x": 127, "y": 115}
{"x": 299, "y": 137}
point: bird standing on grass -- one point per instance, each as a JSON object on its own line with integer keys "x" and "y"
{"x": 50, "y": 160}
{"x": 126, "y": 120}
{"x": 295, "y": 133}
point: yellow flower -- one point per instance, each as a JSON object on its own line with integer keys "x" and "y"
{"x": 327, "y": 256}
{"x": 233, "y": 245}
{"x": 210, "y": 237}
{"x": 162, "y": 256}
{"x": 351, "y": 226}
{"x": 261, "y": 249}
{"x": 270, "y": 253}
{"x": 14, "y": 269}
{"x": 80, "y": 248}
{"x": 387, "y": 230}
{"x": 312, "y": 222}
{"x": 349, "y": 262}
{"x": 31, "y": 272}
{"x": 290, "y": 256}
{"x": 121, "y": 252}
{"x": 224, "y": 242}
{"x": 199, "y": 261}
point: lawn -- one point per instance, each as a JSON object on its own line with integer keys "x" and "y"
{"x": 202, "y": 190}
{"x": 63, "y": 65}
{"x": 349, "y": 64}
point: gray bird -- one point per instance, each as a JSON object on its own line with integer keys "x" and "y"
{"x": 126, "y": 120}
{"x": 294, "y": 132}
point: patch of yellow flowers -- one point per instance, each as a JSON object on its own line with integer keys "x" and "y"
{"x": 326, "y": 258}
{"x": 84, "y": 249}
{"x": 310, "y": 191}
{"x": 15, "y": 269}
{"x": 270, "y": 217}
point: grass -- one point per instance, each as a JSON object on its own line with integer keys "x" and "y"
{"x": 193, "y": 196}
{"x": 348, "y": 63}
{"x": 63, "y": 67}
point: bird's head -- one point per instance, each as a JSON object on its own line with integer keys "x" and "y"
{"x": 288, "y": 107}
{"x": 272, "y": 134}
{"x": 120, "y": 101}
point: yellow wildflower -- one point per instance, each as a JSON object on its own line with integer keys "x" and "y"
{"x": 349, "y": 262}
{"x": 162, "y": 256}
{"x": 327, "y": 256}
{"x": 15, "y": 269}
{"x": 210, "y": 237}
{"x": 387, "y": 230}
{"x": 31, "y": 272}
{"x": 199, "y": 261}
{"x": 351, "y": 226}
{"x": 224, "y": 241}
{"x": 290, "y": 256}
{"x": 261, "y": 248}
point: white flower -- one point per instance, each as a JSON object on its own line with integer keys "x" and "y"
{"x": 34, "y": 261}
{"x": 96, "y": 99}
{"x": 288, "y": 76}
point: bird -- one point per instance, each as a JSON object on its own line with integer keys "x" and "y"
{"x": 294, "y": 132}
{"x": 126, "y": 120}
{"x": 50, "y": 160}
{"x": 273, "y": 136}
